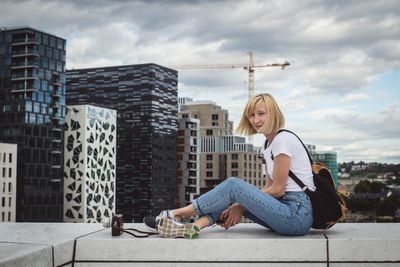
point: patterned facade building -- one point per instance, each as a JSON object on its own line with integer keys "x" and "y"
{"x": 145, "y": 98}
{"x": 8, "y": 182}
{"x": 90, "y": 164}
{"x": 32, "y": 111}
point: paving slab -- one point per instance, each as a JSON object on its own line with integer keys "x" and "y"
{"x": 244, "y": 243}
{"x": 58, "y": 235}
{"x": 25, "y": 255}
{"x": 364, "y": 242}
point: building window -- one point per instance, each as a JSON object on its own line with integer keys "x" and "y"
{"x": 234, "y": 156}
{"x": 209, "y": 174}
{"x": 10, "y": 157}
{"x": 245, "y": 157}
{"x": 209, "y": 132}
{"x": 214, "y": 117}
{"x": 245, "y": 173}
{"x": 184, "y": 116}
{"x": 9, "y": 187}
{"x": 209, "y": 157}
{"x": 235, "y": 174}
{"x": 234, "y": 165}
{"x": 9, "y": 172}
{"x": 3, "y": 201}
{"x": 4, "y": 172}
{"x": 209, "y": 165}
{"x": 9, "y": 201}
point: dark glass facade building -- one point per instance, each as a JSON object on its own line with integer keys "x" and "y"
{"x": 32, "y": 111}
{"x": 145, "y": 97}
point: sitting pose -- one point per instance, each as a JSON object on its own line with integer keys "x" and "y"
{"x": 281, "y": 205}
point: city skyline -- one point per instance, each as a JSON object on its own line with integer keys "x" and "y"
{"x": 339, "y": 92}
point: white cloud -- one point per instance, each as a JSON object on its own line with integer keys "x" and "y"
{"x": 353, "y": 97}
{"x": 337, "y": 50}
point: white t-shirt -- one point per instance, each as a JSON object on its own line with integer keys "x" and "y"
{"x": 288, "y": 144}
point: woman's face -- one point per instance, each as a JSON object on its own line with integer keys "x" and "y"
{"x": 258, "y": 117}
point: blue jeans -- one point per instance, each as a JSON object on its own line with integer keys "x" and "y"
{"x": 288, "y": 215}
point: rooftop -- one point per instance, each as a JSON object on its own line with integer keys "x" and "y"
{"x": 69, "y": 244}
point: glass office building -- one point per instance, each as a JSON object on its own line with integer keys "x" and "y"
{"x": 145, "y": 98}
{"x": 330, "y": 160}
{"x": 32, "y": 110}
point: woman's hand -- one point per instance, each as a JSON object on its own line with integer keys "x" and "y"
{"x": 232, "y": 216}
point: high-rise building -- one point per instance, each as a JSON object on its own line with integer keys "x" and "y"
{"x": 188, "y": 172}
{"x": 214, "y": 121}
{"x": 222, "y": 154}
{"x": 330, "y": 160}
{"x": 90, "y": 163}
{"x": 32, "y": 110}
{"x": 145, "y": 98}
{"x": 8, "y": 181}
{"x": 229, "y": 156}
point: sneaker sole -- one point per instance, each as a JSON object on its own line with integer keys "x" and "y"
{"x": 171, "y": 229}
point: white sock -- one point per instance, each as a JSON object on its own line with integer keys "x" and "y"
{"x": 171, "y": 215}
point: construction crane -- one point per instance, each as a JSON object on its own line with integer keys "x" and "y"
{"x": 250, "y": 67}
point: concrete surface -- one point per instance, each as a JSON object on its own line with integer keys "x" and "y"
{"x": 52, "y": 244}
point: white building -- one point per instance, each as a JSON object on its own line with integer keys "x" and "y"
{"x": 89, "y": 163}
{"x": 8, "y": 182}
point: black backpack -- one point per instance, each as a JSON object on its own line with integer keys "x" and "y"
{"x": 328, "y": 204}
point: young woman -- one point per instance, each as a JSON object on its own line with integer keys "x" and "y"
{"x": 280, "y": 206}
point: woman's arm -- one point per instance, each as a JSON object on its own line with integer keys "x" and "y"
{"x": 268, "y": 180}
{"x": 280, "y": 175}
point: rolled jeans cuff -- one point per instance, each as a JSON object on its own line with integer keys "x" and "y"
{"x": 200, "y": 213}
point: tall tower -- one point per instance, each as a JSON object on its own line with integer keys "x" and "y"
{"x": 145, "y": 98}
{"x": 90, "y": 163}
{"x": 32, "y": 104}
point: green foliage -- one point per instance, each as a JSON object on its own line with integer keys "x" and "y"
{"x": 386, "y": 207}
{"x": 362, "y": 204}
{"x": 363, "y": 187}
{"x": 377, "y": 187}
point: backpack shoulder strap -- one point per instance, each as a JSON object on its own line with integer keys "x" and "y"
{"x": 291, "y": 174}
{"x": 308, "y": 154}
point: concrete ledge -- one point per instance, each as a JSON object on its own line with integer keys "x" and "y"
{"x": 58, "y": 237}
{"x": 17, "y": 255}
{"x": 23, "y": 244}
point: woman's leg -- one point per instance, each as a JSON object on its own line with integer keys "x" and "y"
{"x": 290, "y": 216}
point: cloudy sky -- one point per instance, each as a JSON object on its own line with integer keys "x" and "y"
{"x": 340, "y": 93}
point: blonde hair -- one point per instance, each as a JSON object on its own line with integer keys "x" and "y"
{"x": 275, "y": 121}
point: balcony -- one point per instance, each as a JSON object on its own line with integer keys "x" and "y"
{"x": 23, "y": 77}
{"x": 24, "y": 41}
{"x": 25, "y": 53}
{"x": 23, "y": 90}
{"x": 80, "y": 244}
{"x": 24, "y": 64}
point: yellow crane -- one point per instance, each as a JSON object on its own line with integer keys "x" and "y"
{"x": 250, "y": 67}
